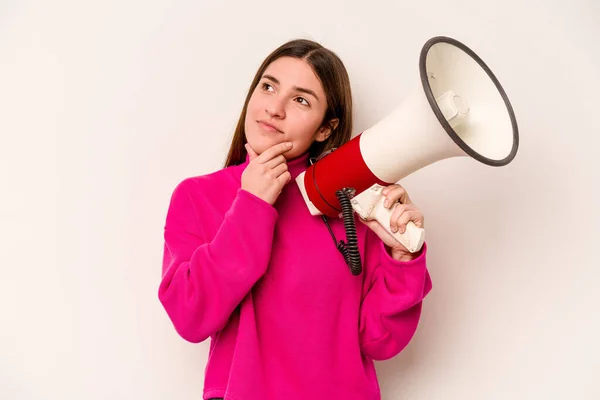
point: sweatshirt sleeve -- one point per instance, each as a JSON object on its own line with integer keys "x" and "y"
{"x": 204, "y": 279}
{"x": 392, "y": 300}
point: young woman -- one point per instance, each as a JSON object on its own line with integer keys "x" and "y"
{"x": 246, "y": 265}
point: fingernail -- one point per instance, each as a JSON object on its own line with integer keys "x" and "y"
{"x": 394, "y": 229}
{"x": 386, "y": 203}
{"x": 288, "y": 144}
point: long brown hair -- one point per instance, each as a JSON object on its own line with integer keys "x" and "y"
{"x": 333, "y": 76}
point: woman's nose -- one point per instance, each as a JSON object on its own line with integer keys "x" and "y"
{"x": 276, "y": 107}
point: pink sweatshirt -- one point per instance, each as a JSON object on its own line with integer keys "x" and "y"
{"x": 285, "y": 317}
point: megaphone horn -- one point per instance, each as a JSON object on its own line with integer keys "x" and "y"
{"x": 458, "y": 109}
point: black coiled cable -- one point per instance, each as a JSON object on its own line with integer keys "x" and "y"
{"x": 348, "y": 249}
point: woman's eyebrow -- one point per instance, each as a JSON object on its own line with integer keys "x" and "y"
{"x": 296, "y": 88}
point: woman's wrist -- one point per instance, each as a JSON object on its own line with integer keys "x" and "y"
{"x": 402, "y": 255}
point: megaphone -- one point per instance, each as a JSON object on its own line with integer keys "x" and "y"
{"x": 458, "y": 109}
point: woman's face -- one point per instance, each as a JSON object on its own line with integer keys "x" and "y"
{"x": 288, "y": 104}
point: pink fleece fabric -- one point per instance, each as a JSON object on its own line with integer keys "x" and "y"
{"x": 265, "y": 284}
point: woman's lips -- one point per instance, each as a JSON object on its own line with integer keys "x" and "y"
{"x": 268, "y": 127}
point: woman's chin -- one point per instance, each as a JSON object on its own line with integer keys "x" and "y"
{"x": 263, "y": 143}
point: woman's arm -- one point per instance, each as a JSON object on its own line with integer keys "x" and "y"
{"x": 392, "y": 299}
{"x": 204, "y": 280}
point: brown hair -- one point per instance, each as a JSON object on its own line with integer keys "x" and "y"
{"x": 333, "y": 76}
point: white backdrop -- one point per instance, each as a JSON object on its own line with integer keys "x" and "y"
{"x": 105, "y": 106}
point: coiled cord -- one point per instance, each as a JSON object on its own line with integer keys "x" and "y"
{"x": 350, "y": 249}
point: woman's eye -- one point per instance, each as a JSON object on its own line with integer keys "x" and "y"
{"x": 302, "y": 101}
{"x": 267, "y": 87}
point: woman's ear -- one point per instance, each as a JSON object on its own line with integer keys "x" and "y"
{"x": 327, "y": 129}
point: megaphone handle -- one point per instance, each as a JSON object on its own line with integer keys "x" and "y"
{"x": 412, "y": 238}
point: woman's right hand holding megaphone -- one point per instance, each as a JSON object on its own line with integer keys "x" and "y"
{"x": 403, "y": 214}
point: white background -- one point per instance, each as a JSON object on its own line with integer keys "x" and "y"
{"x": 105, "y": 106}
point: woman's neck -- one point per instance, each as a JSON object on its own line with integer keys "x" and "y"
{"x": 298, "y": 164}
